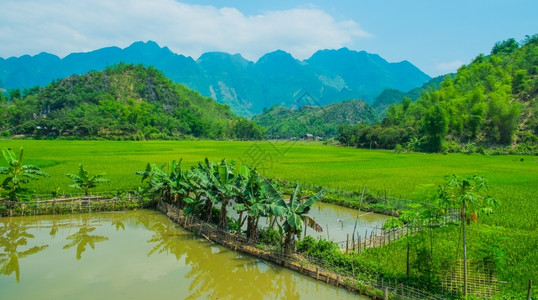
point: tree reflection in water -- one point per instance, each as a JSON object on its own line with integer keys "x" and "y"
{"x": 13, "y": 236}
{"x": 197, "y": 269}
{"x": 83, "y": 238}
{"x": 216, "y": 272}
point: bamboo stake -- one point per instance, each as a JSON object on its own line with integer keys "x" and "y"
{"x": 347, "y": 243}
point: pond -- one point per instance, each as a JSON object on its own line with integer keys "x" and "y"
{"x": 135, "y": 255}
{"x": 340, "y": 221}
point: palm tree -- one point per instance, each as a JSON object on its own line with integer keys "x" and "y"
{"x": 17, "y": 174}
{"x": 293, "y": 212}
{"x": 84, "y": 181}
{"x": 466, "y": 193}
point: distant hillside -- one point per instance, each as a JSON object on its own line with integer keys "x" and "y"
{"x": 490, "y": 103}
{"x": 248, "y": 87}
{"x": 391, "y": 96}
{"x": 121, "y": 102}
{"x": 322, "y": 121}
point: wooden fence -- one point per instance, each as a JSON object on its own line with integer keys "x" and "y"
{"x": 481, "y": 282}
{"x": 68, "y": 205}
{"x": 378, "y": 237}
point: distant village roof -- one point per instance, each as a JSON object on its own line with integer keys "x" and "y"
{"x": 309, "y": 135}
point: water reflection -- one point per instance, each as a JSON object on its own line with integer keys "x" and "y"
{"x": 144, "y": 255}
{"x": 166, "y": 238}
{"x": 14, "y": 236}
{"x": 83, "y": 238}
{"x": 238, "y": 278}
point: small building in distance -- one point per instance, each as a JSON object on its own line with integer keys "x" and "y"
{"x": 309, "y": 137}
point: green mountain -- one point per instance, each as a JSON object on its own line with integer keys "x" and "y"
{"x": 247, "y": 87}
{"x": 489, "y": 103}
{"x": 322, "y": 121}
{"x": 121, "y": 102}
{"x": 391, "y": 96}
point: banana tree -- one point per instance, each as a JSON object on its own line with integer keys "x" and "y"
{"x": 180, "y": 186}
{"x": 293, "y": 212}
{"x": 158, "y": 181}
{"x": 201, "y": 186}
{"x": 84, "y": 181}
{"x": 17, "y": 174}
{"x": 223, "y": 185}
{"x": 250, "y": 199}
{"x": 173, "y": 186}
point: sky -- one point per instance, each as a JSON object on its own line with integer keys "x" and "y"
{"x": 436, "y": 36}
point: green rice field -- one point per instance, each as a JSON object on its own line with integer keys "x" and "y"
{"x": 513, "y": 180}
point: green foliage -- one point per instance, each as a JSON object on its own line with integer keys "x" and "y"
{"x": 467, "y": 193}
{"x": 490, "y": 102}
{"x": 212, "y": 183}
{"x": 294, "y": 212}
{"x": 322, "y": 121}
{"x": 121, "y": 102}
{"x": 84, "y": 181}
{"x": 17, "y": 174}
{"x": 512, "y": 179}
{"x": 435, "y": 126}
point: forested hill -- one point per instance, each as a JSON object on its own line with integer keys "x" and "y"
{"x": 321, "y": 121}
{"x": 490, "y": 103}
{"x": 391, "y": 96}
{"x": 121, "y": 102}
{"x": 247, "y": 87}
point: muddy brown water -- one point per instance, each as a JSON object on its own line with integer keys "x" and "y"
{"x": 135, "y": 255}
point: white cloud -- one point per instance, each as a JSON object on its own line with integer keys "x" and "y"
{"x": 65, "y": 26}
{"x": 449, "y": 67}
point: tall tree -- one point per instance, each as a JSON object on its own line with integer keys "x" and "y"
{"x": 435, "y": 125}
{"x": 468, "y": 195}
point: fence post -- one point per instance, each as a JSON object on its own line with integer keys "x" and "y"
{"x": 385, "y": 293}
{"x": 347, "y": 243}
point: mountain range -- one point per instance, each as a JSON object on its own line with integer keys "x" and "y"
{"x": 247, "y": 87}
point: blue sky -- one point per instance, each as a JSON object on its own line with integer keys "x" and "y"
{"x": 436, "y": 36}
